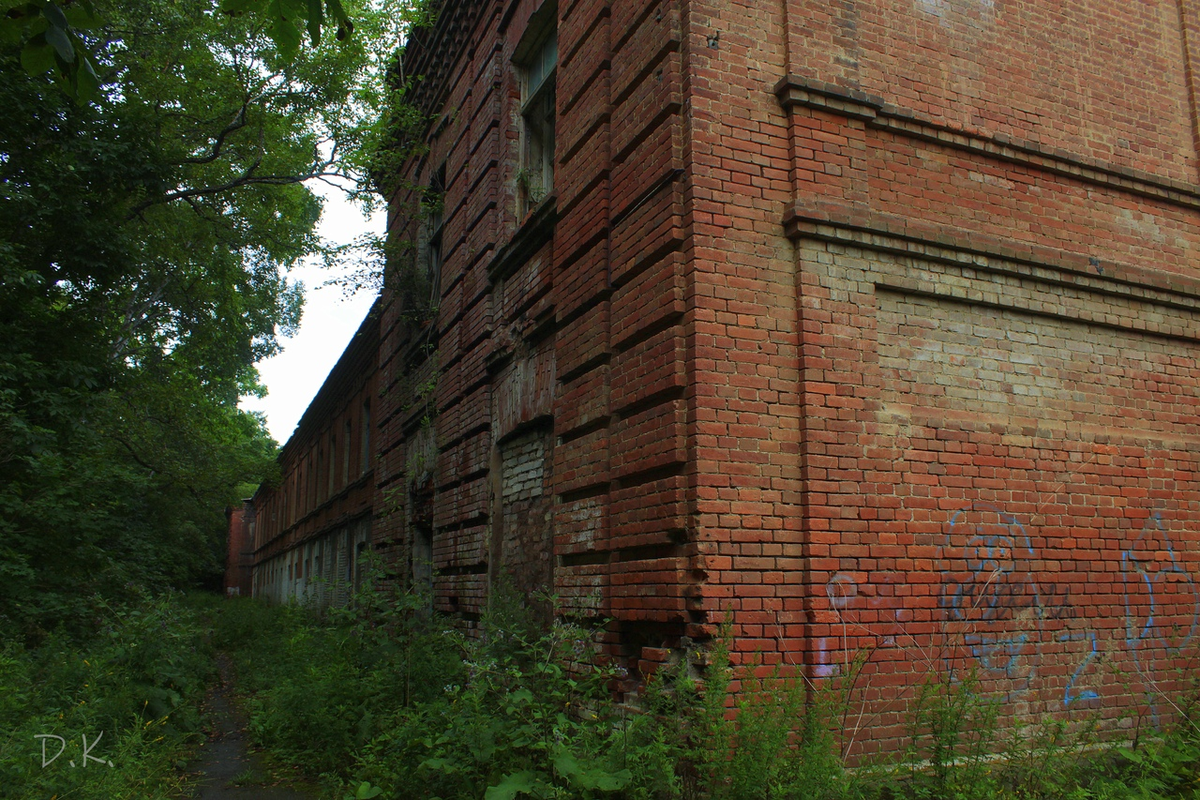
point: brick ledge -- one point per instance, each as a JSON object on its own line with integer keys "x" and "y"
{"x": 794, "y": 91}
{"x": 875, "y": 231}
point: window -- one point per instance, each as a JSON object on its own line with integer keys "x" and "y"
{"x": 360, "y": 550}
{"x": 366, "y": 436}
{"x": 309, "y": 486}
{"x": 346, "y": 438}
{"x": 332, "y": 464}
{"x": 318, "y": 494}
{"x": 420, "y": 503}
{"x": 435, "y": 198}
{"x": 293, "y": 507}
{"x": 535, "y": 178}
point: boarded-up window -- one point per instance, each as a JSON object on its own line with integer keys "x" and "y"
{"x": 366, "y": 437}
{"x": 526, "y": 545}
{"x": 421, "y": 526}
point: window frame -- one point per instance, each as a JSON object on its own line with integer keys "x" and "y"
{"x": 365, "y": 455}
{"x": 536, "y": 60}
{"x": 435, "y": 223}
{"x": 331, "y": 478}
{"x": 347, "y": 443}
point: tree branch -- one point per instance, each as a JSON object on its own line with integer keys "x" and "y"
{"x": 247, "y": 178}
{"x": 239, "y": 121}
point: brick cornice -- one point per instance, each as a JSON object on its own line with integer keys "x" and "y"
{"x": 884, "y": 232}
{"x": 795, "y": 92}
{"x": 431, "y": 53}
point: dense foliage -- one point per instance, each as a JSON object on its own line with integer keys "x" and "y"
{"x": 143, "y": 242}
{"x": 391, "y": 695}
{"x": 129, "y": 693}
{"x": 52, "y": 34}
{"x": 390, "y": 701}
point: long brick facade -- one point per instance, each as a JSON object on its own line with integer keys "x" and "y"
{"x": 865, "y": 326}
{"x": 311, "y": 529}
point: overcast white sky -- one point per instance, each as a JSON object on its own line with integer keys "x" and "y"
{"x": 330, "y": 319}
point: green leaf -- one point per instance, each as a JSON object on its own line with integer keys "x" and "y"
{"x": 344, "y": 23}
{"x": 286, "y": 36}
{"x": 18, "y": 11}
{"x": 565, "y": 763}
{"x": 86, "y": 81}
{"x": 512, "y": 785}
{"x": 11, "y": 30}
{"x": 366, "y": 791}
{"x": 37, "y": 57}
{"x": 316, "y": 18}
{"x": 82, "y": 17}
{"x": 337, "y": 12}
{"x": 55, "y": 16}
{"x": 610, "y": 781}
{"x": 235, "y": 7}
{"x": 62, "y": 43}
{"x": 1130, "y": 755}
{"x": 439, "y": 764}
{"x": 294, "y": 9}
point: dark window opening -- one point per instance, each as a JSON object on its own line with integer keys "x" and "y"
{"x": 366, "y": 437}
{"x": 421, "y": 525}
{"x": 535, "y": 179}
{"x": 435, "y": 199}
{"x": 331, "y": 485}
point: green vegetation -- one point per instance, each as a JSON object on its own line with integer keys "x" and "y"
{"x": 388, "y": 697}
{"x": 144, "y": 245}
{"x": 387, "y": 700}
{"x": 130, "y": 693}
{"x": 389, "y": 694}
{"x": 53, "y": 35}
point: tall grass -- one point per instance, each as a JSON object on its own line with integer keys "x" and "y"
{"x": 130, "y": 693}
{"x": 387, "y": 698}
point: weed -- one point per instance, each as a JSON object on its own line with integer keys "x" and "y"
{"x": 386, "y": 698}
{"x": 116, "y": 711}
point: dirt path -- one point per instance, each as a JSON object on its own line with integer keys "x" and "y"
{"x": 229, "y": 771}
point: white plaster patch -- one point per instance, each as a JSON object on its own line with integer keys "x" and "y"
{"x": 944, "y": 9}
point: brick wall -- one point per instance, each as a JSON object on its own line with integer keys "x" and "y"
{"x": 1001, "y": 476}
{"x": 326, "y": 490}
{"x": 558, "y": 327}
{"x": 525, "y": 548}
{"x": 865, "y": 326}
{"x": 945, "y": 296}
{"x": 239, "y": 559}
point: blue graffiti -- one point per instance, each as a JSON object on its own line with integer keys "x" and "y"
{"x": 1137, "y": 632}
{"x": 1089, "y": 656}
{"x": 995, "y": 593}
{"x": 1006, "y": 606}
{"x": 998, "y": 654}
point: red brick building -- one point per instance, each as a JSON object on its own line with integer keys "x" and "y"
{"x": 310, "y": 532}
{"x": 859, "y": 324}
{"x": 239, "y": 562}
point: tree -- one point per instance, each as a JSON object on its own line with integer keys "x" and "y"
{"x": 52, "y": 39}
{"x": 142, "y": 244}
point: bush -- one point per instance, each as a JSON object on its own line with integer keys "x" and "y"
{"x": 387, "y": 700}
{"x": 321, "y": 685}
{"x": 132, "y": 689}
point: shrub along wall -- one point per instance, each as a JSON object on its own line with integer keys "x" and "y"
{"x": 392, "y": 700}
